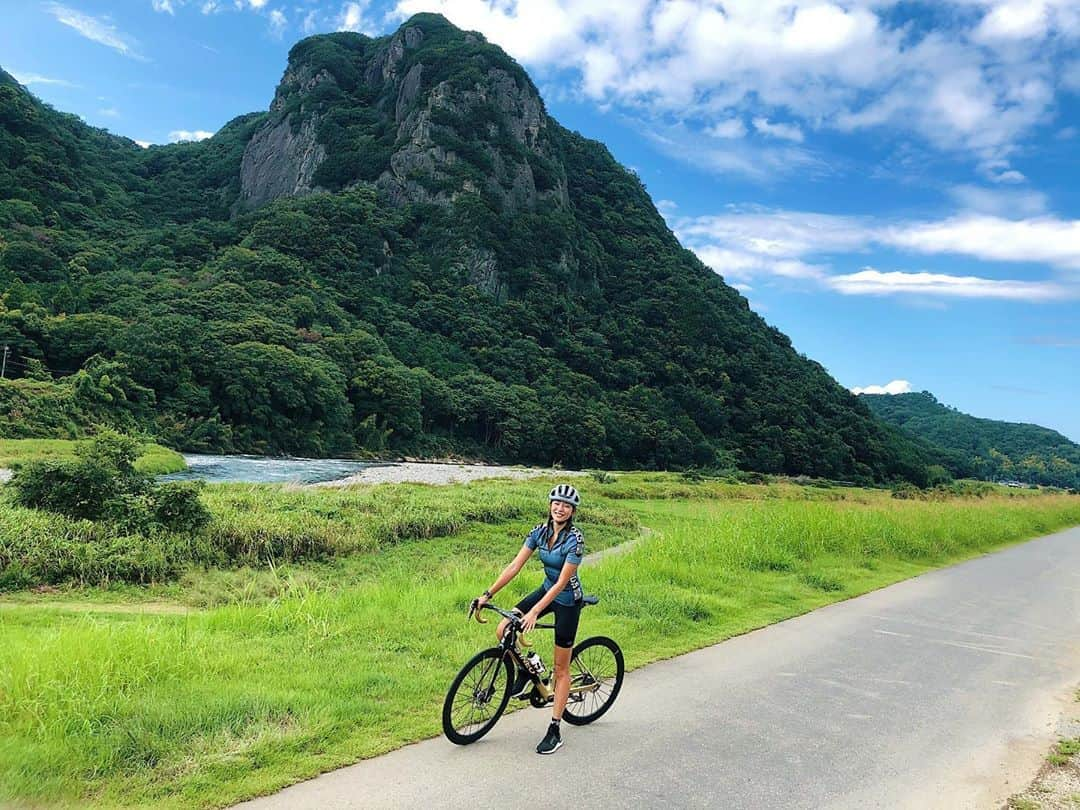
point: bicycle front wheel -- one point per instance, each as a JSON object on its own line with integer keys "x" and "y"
{"x": 596, "y": 675}
{"x": 477, "y": 697}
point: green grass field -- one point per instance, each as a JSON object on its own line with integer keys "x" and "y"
{"x": 278, "y": 672}
{"x": 155, "y": 459}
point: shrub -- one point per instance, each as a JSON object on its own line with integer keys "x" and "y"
{"x": 177, "y": 507}
{"x": 84, "y": 488}
{"x": 103, "y": 484}
{"x": 907, "y": 492}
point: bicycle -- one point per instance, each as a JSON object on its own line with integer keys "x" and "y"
{"x": 479, "y": 694}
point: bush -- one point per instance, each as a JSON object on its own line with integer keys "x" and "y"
{"x": 86, "y": 488}
{"x": 103, "y": 484}
{"x": 907, "y": 492}
{"x": 177, "y": 507}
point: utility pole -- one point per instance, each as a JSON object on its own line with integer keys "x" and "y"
{"x": 3, "y": 368}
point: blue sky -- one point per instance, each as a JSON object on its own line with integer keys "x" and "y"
{"x": 894, "y": 185}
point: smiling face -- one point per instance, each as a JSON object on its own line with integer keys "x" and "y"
{"x": 561, "y": 511}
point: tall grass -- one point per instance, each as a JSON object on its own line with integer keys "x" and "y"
{"x": 204, "y": 709}
{"x": 257, "y": 525}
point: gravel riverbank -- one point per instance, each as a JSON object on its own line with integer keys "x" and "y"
{"x": 439, "y": 473}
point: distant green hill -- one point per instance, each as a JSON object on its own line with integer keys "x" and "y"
{"x": 404, "y": 254}
{"x": 982, "y": 448}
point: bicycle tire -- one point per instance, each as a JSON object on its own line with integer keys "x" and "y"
{"x": 595, "y": 659}
{"x": 488, "y": 664}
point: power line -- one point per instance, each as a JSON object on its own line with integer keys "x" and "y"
{"x": 27, "y": 365}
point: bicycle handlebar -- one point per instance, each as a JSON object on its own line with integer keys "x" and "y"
{"x": 506, "y": 614}
{"x": 514, "y": 618}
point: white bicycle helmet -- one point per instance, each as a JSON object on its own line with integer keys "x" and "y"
{"x": 566, "y": 494}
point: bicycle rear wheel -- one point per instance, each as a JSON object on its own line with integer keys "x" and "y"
{"x": 597, "y": 662}
{"x": 477, "y": 697}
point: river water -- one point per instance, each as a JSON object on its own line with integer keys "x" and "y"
{"x": 263, "y": 469}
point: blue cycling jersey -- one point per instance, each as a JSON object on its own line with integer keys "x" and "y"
{"x": 569, "y": 547}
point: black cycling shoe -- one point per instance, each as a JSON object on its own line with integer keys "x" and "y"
{"x": 552, "y": 741}
{"x": 522, "y": 685}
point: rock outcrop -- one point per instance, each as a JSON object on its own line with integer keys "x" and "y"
{"x": 280, "y": 161}
{"x": 432, "y": 140}
{"x": 282, "y": 156}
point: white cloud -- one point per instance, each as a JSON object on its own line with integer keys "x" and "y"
{"x": 209, "y": 7}
{"x": 1048, "y": 240}
{"x": 309, "y": 24}
{"x": 875, "y": 282}
{"x": 744, "y": 264}
{"x": 814, "y": 64}
{"x": 95, "y": 30}
{"x": 798, "y": 234}
{"x": 28, "y": 79}
{"x": 1011, "y": 203}
{"x": 894, "y": 387}
{"x": 787, "y": 132}
{"x": 729, "y": 128}
{"x": 145, "y": 144}
{"x": 109, "y": 112}
{"x": 777, "y": 234}
{"x": 278, "y": 21}
{"x": 1022, "y": 19}
{"x": 756, "y": 160}
{"x": 1009, "y": 176}
{"x": 189, "y": 135}
{"x": 164, "y": 6}
{"x": 748, "y": 243}
{"x": 352, "y": 18}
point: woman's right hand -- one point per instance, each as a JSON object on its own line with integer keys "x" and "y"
{"x": 479, "y": 602}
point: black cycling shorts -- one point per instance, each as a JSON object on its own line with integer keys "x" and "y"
{"x": 566, "y": 617}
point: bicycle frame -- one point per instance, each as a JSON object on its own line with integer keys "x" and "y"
{"x": 512, "y": 637}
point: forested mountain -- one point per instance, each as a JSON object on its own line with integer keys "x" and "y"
{"x": 404, "y": 254}
{"x": 982, "y": 448}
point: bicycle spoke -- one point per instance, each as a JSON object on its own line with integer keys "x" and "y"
{"x": 595, "y": 681}
{"x": 477, "y": 698}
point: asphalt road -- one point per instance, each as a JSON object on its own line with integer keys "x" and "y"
{"x": 941, "y": 691}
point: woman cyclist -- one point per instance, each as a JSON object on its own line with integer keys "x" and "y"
{"x": 561, "y": 547}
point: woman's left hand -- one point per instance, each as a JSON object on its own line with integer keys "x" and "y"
{"x": 528, "y": 621}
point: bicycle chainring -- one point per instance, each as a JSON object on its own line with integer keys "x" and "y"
{"x": 537, "y": 700}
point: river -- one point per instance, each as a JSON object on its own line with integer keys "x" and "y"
{"x": 264, "y": 469}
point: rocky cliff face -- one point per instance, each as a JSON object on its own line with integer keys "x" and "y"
{"x": 388, "y": 111}
{"x": 282, "y": 156}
